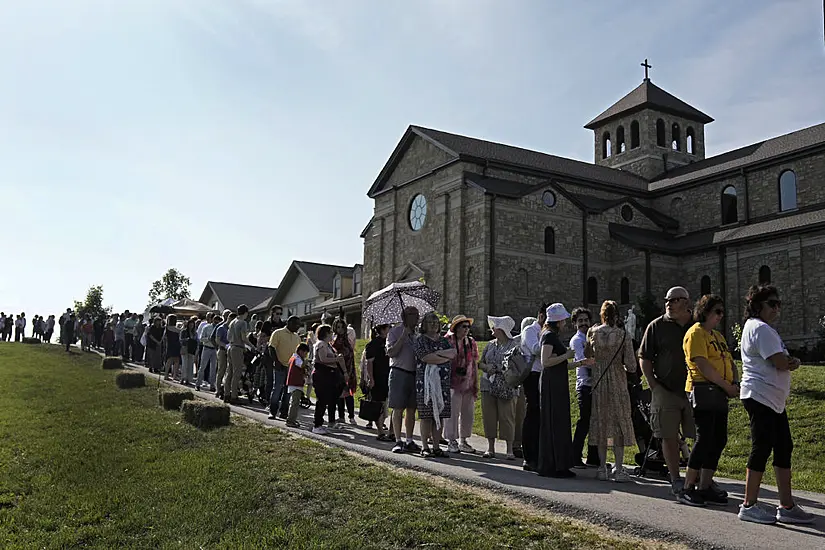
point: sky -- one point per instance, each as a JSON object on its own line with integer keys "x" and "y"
{"x": 227, "y": 138}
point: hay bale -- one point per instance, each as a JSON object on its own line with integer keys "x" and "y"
{"x": 29, "y": 340}
{"x": 112, "y": 363}
{"x": 171, "y": 399}
{"x": 205, "y": 415}
{"x": 127, "y": 379}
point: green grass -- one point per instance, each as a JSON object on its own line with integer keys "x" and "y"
{"x": 83, "y": 464}
{"x": 806, "y": 411}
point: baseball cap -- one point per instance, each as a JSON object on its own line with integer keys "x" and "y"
{"x": 677, "y": 292}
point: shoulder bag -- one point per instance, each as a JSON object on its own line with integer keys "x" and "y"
{"x": 517, "y": 369}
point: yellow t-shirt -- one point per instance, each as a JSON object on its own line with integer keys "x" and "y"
{"x": 285, "y": 343}
{"x": 712, "y": 346}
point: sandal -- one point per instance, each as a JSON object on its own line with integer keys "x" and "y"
{"x": 488, "y": 454}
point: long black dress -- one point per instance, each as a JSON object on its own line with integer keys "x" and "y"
{"x": 555, "y": 434}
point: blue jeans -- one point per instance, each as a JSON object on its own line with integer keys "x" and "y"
{"x": 278, "y": 381}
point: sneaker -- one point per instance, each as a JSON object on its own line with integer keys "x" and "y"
{"x": 399, "y": 448}
{"x": 292, "y": 424}
{"x": 620, "y": 475}
{"x": 320, "y": 430}
{"x": 676, "y": 486}
{"x": 757, "y": 513}
{"x": 412, "y": 447}
{"x": 712, "y": 497}
{"x": 452, "y": 447}
{"x": 691, "y": 497}
{"x": 352, "y": 421}
{"x": 601, "y": 474}
{"x": 465, "y": 447}
{"x": 717, "y": 489}
{"x": 793, "y": 515}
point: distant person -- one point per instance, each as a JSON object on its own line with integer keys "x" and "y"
{"x": 402, "y": 396}
{"x": 49, "y": 329}
{"x": 238, "y": 336}
{"x": 295, "y": 382}
{"x": 68, "y": 331}
{"x": 20, "y": 327}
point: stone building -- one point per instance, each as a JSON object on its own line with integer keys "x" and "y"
{"x": 498, "y": 229}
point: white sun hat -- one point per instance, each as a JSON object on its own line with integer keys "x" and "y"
{"x": 557, "y": 312}
{"x": 506, "y": 323}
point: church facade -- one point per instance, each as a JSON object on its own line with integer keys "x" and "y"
{"x": 498, "y": 229}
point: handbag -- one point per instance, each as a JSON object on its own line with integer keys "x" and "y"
{"x": 370, "y": 410}
{"x": 517, "y": 369}
{"x": 707, "y": 396}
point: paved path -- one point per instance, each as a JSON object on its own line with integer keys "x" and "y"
{"x": 643, "y": 507}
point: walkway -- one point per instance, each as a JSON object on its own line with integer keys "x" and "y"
{"x": 644, "y": 507}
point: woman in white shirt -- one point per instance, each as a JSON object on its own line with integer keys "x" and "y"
{"x": 765, "y": 386}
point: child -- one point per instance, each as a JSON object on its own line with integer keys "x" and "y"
{"x": 295, "y": 382}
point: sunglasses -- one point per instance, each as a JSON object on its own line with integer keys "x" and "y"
{"x": 674, "y": 300}
{"x": 774, "y": 303}
{"x": 465, "y": 327}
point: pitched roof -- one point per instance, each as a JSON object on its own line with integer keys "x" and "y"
{"x": 232, "y": 295}
{"x": 472, "y": 149}
{"x": 322, "y": 275}
{"x": 812, "y": 136}
{"x": 598, "y": 204}
{"x": 648, "y": 96}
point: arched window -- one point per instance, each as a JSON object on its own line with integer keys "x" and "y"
{"x": 660, "y": 133}
{"x": 690, "y": 141}
{"x": 471, "y": 282}
{"x": 592, "y": 291}
{"x": 620, "y": 145}
{"x": 765, "y": 275}
{"x": 607, "y": 148}
{"x": 634, "y": 134}
{"x": 549, "y": 240}
{"x": 522, "y": 284}
{"x": 704, "y": 286}
{"x": 787, "y": 190}
{"x": 730, "y": 207}
{"x": 675, "y": 207}
{"x": 676, "y": 137}
{"x": 625, "y": 293}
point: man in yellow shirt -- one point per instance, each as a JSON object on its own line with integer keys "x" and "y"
{"x": 283, "y": 344}
{"x": 712, "y": 380}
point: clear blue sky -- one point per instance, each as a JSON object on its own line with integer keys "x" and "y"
{"x": 249, "y": 120}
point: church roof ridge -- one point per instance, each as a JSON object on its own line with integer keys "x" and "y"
{"x": 648, "y": 95}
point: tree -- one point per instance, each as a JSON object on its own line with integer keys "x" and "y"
{"x": 93, "y": 304}
{"x": 173, "y": 284}
{"x": 648, "y": 308}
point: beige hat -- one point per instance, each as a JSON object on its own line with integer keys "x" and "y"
{"x": 460, "y": 319}
{"x": 677, "y": 292}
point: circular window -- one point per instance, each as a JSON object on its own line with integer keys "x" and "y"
{"x": 549, "y": 199}
{"x": 627, "y": 213}
{"x": 418, "y": 212}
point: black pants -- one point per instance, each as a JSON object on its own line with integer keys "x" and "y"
{"x": 18, "y": 335}
{"x": 532, "y": 419}
{"x": 711, "y": 438}
{"x": 585, "y": 398}
{"x": 770, "y": 431}
{"x": 128, "y": 339}
{"x": 349, "y": 402}
{"x": 325, "y": 382}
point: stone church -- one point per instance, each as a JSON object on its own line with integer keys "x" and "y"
{"x": 498, "y": 229}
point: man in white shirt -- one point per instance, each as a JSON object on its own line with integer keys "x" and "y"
{"x": 582, "y": 318}
{"x": 531, "y": 349}
{"x": 20, "y": 327}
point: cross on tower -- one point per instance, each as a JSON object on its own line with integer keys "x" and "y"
{"x": 647, "y": 66}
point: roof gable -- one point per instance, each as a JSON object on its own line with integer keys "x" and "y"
{"x": 648, "y": 96}
{"x": 231, "y": 295}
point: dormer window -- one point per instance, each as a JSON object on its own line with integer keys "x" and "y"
{"x": 356, "y": 283}
{"x": 336, "y": 287}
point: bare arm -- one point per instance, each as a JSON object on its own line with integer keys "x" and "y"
{"x": 395, "y": 349}
{"x": 370, "y": 377}
{"x": 647, "y": 370}
{"x": 550, "y": 359}
{"x": 782, "y": 362}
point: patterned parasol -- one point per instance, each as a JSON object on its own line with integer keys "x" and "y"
{"x": 385, "y": 306}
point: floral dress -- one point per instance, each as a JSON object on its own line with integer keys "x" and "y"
{"x": 341, "y": 345}
{"x": 611, "y": 414}
{"x": 423, "y": 346}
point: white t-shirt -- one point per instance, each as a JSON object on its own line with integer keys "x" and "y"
{"x": 583, "y": 374}
{"x": 761, "y": 381}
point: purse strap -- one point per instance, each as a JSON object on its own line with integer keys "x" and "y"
{"x": 621, "y": 347}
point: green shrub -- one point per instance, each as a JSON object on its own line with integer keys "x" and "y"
{"x": 28, "y": 340}
{"x": 172, "y": 399}
{"x": 112, "y": 363}
{"x": 205, "y": 415}
{"x": 127, "y": 379}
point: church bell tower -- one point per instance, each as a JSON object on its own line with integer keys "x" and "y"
{"x": 649, "y": 132}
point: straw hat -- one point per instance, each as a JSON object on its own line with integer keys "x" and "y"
{"x": 460, "y": 319}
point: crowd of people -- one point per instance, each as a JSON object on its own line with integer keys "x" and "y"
{"x": 419, "y": 368}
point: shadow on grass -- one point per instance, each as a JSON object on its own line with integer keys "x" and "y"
{"x": 814, "y": 395}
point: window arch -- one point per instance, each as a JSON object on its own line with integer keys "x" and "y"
{"x": 634, "y": 134}
{"x": 607, "y": 148}
{"x": 730, "y": 206}
{"x": 765, "y": 275}
{"x": 620, "y": 144}
{"x": 625, "y": 292}
{"x": 675, "y": 207}
{"x": 787, "y": 190}
{"x": 522, "y": 283}
{"x": 676, "y": 137}
{"x": 471, "y": 282}
{"x": 660, "y": 133}
{"x": 592, "y": 291}
{"x": 704, "y": 286}
{"x": 690, "y": 141}
{"x": 549, "y": 240}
